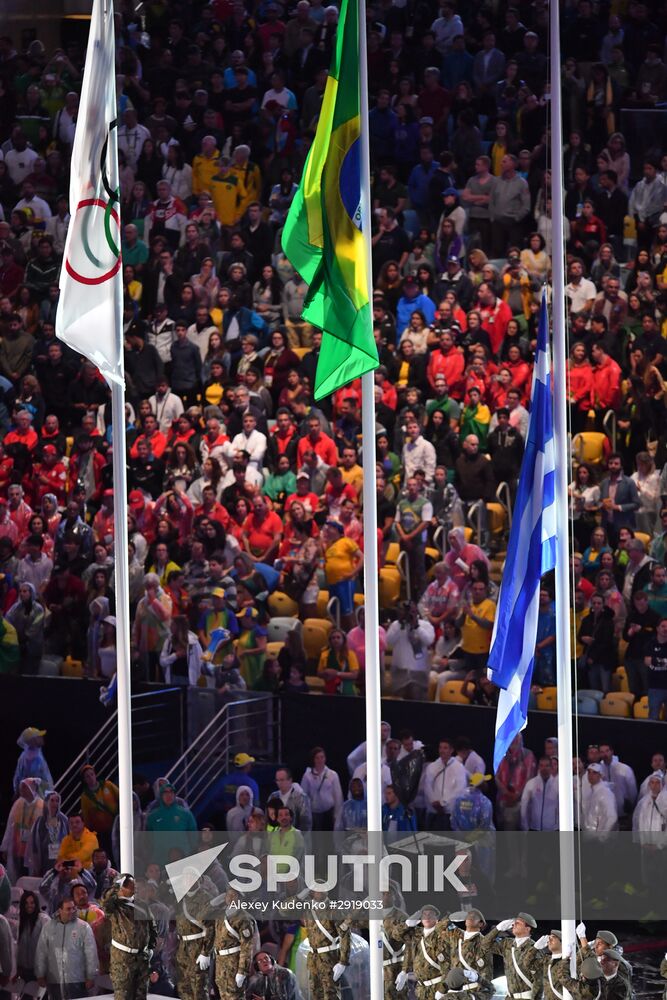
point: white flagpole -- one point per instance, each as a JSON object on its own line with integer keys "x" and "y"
{"x": 564, "y": 668}
{"x": 371, "y": 572}
{"x": 121, "y": 569}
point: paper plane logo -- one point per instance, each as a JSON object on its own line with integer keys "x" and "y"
{"x": 184, "y": 873}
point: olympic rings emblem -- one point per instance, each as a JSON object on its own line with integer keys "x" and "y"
{"x": 89, "y": 205}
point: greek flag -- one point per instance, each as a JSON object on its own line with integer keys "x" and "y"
{"x": 530, "y": 554}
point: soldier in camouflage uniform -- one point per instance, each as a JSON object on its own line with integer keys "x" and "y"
{"x": 468, "y": 950}
{"x": 587, "y": 986}
{"x": 523, "y": 962}
{"x": 133, "y": 937}
{"x": 465, "y": 984}
{"x": 614, "y": 985}
{"x": 195, "y": 940}
{"x": 551, "y": 948}
{"x": 602, "y": 941}
{"x": 429, "y": 957}
{"x": 233, "y": 945}
{"x": 663, "y": 971}
{"x": 330, "y": 952}
{"x": 396, "y": 940}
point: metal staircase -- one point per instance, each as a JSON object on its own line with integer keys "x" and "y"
{"x": 249, "y": 722}
{"x": 158, "y": 733}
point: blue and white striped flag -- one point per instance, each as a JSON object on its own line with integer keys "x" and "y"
{"x": 530, "y": 554}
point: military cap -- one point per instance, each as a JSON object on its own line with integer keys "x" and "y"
{"x": 590, "y": 968}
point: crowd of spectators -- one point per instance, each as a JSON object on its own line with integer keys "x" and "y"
{"x": 245, "y": 496}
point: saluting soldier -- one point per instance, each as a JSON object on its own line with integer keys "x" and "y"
{"x": 462, "y": 984}
{"x": 603, "y": 940}
{"x": 551, "y": 948}
{"x": 195, "y": 940}
{"x": 396, "y": 940}
{"x": 233, "y": 946}
{"x": 429, "y": 956}
{"x": 133, "y": 938}
{"x": 588, "y": 984}
{"x": 523, "y": 962}
{"x": 329, "y": 953}
{"x": 468, "y": 948}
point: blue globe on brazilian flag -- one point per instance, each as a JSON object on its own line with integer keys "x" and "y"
{"x": 322, "y": 238}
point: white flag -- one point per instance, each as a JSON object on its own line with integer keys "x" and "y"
{"x": 90, "y": 309}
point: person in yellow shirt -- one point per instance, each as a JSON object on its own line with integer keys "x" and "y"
{"x": 342, "y": 562}
{"x": 476, "y": 624}
{"x": 339, "y": 666}
{"x": 205, "y": 166}
{"x": 351, "y": 470}
{"x": 79, "y": 844}
{"x": 227, "y": 193}
{"x": 99, "y": 804}
{"x": 249, "y": 177}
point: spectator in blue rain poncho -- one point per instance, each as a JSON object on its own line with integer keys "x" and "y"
{"x": 32, "y": 763}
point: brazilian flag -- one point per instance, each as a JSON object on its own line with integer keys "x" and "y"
{"x": 322, "y": 237}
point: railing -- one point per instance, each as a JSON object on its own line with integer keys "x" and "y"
{"x": 440, "y": 540}
{"x": 403, "y": 567}
{"x": 333, "y": 610}
{"x": 609, "y": 427}
{"x": 504, "y": 498}
{"x": 475, "y": 516}
{"x": 157, "y": 734}
{"x": 248, "y": 722}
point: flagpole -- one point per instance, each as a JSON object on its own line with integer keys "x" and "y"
{"x": 371, "y": 570}
{"x": 121, "y": 569}
{"x": 564, "y": 668}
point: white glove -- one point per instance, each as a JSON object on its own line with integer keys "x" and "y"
{"x": 471, "y": 975}
{"x": 666, "y": 956}
{"x": 542, "y": 942}
{"x": 239, "y": 979}
{"x": 412, "y": 921}
{"x": 203, "y": 962}
{"x": 338, "y": 971}
{"x": 566, "y": 952}
{"x": 401, "y": 980}
{"x": 505, "y": 925}
{"x": 440, "y": 996}
{"x": 580, "y": 930}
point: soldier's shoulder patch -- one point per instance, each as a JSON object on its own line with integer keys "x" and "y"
{"x": 480, "y": 962}
{"x": 246, "y": 932}
{"x": 441, "y": 957}
{"x": 344, "y": 926}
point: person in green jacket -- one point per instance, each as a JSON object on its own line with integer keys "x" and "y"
{"x": 9, "y": 647}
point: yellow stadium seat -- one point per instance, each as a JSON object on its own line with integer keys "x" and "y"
{"x": 282, "y": 605}
{"x": 589, "y": 447}
{"x": 547, "y": 699}
{"x": 390, "y": 586}
{"x": 273, "y": 648}
{"x": 452, "y": 693}
{"x": 613, "y": 705}
{"x": 359, "y": 600}
{"x": 322, "y": 601}
{"x": 627, "y": 696}
{"x": 467, "y": 534}
{"x": 643, "y": 537}
{"x": 497, "y": 518}
{"x": 300, "y": 351}
{"x": 315, "y": 684}
{"x": 620, "y": 681}
{"x": 640, "y": 708}
{"x": 392, "y": 554}
{"x": 72, "y": 668}
{"x": 315, "y": 635}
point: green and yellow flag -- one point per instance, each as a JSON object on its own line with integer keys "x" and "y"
{"x": 322, "y": 238}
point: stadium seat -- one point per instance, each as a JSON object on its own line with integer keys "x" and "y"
{"x": 640, "y": 708}
{"x": 627, "y": 696}
{"x": 315, "y": 684}
{"x": 273, "y": 648}
{"x": 585, "y": 706}
{"x": 590, "y": 447}
{"x": 282, "y": 606}
{"x": 322, "y": 601}
{"x": 612, "y": 704}
{"x": 497, "y": 518}
{"x": 300, "y": 351}
{"x": 546, "y": 699}
{"x": 643, "y": 537}
{"x": 392, "y": 554}
{"x": 619, "y": 680}
{"x": 315, "y": 635}
{"x": 390, "y": 586}
{"x": 590, "y": 693}
{"x": 452, "y": 693}
{"x": 277, "y": 628}
{"x": 71, "y": 667}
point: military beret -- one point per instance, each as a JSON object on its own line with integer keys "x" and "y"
{"x": 608, "y": 937}
{"x": 590, "y": 968}
{"x": 527, "y": 919}
{"x": 456, "y": 979}
{"x": 613, "y": 954}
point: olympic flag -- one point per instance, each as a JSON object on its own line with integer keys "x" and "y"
{"x": 91, "y": 289}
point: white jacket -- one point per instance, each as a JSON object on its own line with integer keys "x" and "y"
{"x": 404, "y": 658}
{"x": 622, "y": 779}
{"x": 539, "y": 804}
{"x": 444, "y": 783}
{"x": 324, "y": 791}
{"x": 167, "y": 657}
{"x": 648, "y": 817}
{"x": 599, "y": 813}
